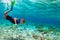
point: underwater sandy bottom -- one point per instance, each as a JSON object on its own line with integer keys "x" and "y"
{"x": 28, "y": 32}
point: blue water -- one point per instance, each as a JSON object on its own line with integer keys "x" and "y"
{"x": 42, "y": 20}
{"x": 41, "y": 12}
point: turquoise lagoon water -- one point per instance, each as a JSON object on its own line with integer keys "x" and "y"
{"x": 42, "y": 20}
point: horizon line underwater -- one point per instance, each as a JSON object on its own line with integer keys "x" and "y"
{"x": 42, "y": 20}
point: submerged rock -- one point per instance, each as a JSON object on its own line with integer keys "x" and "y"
{"x": 33, "y": 33}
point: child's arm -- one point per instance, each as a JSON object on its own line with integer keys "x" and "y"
{"x": 15, "y": 21}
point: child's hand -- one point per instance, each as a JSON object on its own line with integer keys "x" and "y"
{"x": 15, "y": 24}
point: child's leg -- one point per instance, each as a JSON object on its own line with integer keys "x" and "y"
{"x": 12, "y": 4}
{"x": 11, "y": 8}
{"x": 6, "y": 12}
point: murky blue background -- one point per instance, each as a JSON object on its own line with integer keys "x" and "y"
{"x": 42, "y": 20}
{"x": 34, "y": 11}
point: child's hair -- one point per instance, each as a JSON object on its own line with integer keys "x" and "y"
{"x": 23, "y": 20}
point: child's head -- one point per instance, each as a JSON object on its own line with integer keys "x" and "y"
{"x": 22, "y": 21}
